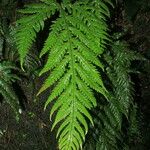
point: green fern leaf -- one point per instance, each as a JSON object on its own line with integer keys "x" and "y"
{"x": 121, "y": 101}
{"x": 31, "y": 24}
{"x": 76, "y": 36}
{"x": 6, "y": 89}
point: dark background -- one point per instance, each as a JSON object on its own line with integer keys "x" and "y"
{"x": 32, "y": 132}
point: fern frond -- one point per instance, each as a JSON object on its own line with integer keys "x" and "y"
{"x": 76, "y": 36}
{"x": 6, "y": 89}
{"x": 120, "y": 75}
{"x": 76, "y": 101}
{"x": 32, "y": 23}
{"x": 121, "y": 101}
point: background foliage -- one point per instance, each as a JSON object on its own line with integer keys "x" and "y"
{"x": 33, "y": 128}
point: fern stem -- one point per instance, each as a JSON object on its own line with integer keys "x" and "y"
{"x": 72, "y": 62}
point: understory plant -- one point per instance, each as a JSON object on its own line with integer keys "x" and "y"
{"x": 116, "y": 121}
{"x": 8, "y": 69}
{"x": 78, "y": 36}
{"x": 6, "y": 88}
{"x": 11, "y": 76}
{"x": 73, "y": 49}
